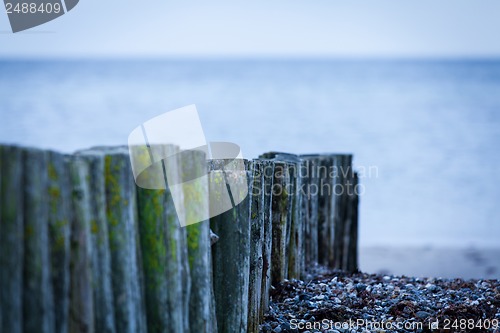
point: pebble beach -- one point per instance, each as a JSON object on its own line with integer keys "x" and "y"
{"x": 332, "y": 301}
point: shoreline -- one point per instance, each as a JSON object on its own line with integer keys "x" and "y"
{"x": 426, "y": 261}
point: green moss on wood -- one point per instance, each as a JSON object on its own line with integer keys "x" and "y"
{"x": 59, "y": 241}
{"x": 113, "y": 199}
{"x": 193, "y": 241}
{"x": 194, "y": 197}
{"x": 94, "y": 228}
{"x": 154, "y": 250}
{"x": 28, "y": 232}
{"x": 52, "y": 171}
{"x": 54, "y": 198}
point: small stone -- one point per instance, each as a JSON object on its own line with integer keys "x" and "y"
{"x": 422, "y": 314}
{"x": 285, "y": 327}
{"x": 213, "y": 237}
{"x": 360, "y": 287}
{"x": 266, "y": 328}
{"x": 431, "y": 287}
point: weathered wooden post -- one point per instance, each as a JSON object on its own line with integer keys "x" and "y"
{"x": 231, "y": 254}
{"x": 333, "y": 193}
{"x": 178, "y": 274}
{"x": 185, "y": 276}
{"x": 11, "y": 238}
{"x": 102, "y": 290}
{"x": 81, "y": 311}
{"x": 310, "y": 198}
{"x": 325, "y": 165}
{"x": 196, "y": 199}
{"x": 344, "y": 168}
{"x": 151, "y": 207}
{"x": 161, "y": 249}
{"x": 123, "y": 238}
{"x": 257, "y": 212}
{"x": 163, "y": 241}
{"x": 280, "y": 211}
{"x": 60, "y": 209}
{"x": 38, "y": 299}
{"x": 294, "y": 260}
{"x": 295, "y": 255}
{"x": 351, "y": 264}
{"x": 268, "y": 181}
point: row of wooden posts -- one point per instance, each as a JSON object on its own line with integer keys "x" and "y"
{"x": 83, "y": 249}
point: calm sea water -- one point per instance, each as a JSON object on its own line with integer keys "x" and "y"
{"x": 429, "y": 131}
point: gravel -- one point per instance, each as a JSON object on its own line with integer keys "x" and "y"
{"x": 338, "y": 302}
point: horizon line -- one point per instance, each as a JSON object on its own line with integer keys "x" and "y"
{"x": 251, "y": 58}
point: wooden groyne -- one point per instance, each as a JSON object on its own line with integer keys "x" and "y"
{"x": 83, "y": 249}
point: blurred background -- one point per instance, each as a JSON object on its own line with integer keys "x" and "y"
{"x": 412, "y": 89}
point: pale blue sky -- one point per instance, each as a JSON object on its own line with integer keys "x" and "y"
{"x": 290, "y": 28}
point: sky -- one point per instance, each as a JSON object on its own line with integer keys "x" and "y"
{"x": 259, "y": 28}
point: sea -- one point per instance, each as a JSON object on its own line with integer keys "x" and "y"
{"x": 425, "y": 134}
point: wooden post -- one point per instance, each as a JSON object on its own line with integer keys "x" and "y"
{"x": 280, "y": 211}
{"x": 152, "y": 227}
{"x": 303, "y": 184}
{"x": 125, "y": 252}
{"x": 330, "y": 250}
{"x": 185, "y": 278}
{"x": 38, "y": 302}
{"x": 295, "y": 256}
{"x": 196, "y": 196}
{"x": 161, "y": 255}
{"x": 256, "y": 193}
{"x": 178, "y": 273}
{"x": 334, "y": 200}
{"x": 344, "y": 165}
{"x": 81, "y": 311}
{"x": 11, "y": 239}
{"x": 324, "y": 208}
{"x": 294, "y": 260}
{"x": 347, "y": 177}
{"x": 168, "y": 307}
{"x": 352, "y": 227}
{"x": 60, "y": 209}
{"x": 268, "y": 181}
{"x": 310, "y": 196}
{"x": 231, "y": 254}
{"x": 102, "y": 290}
{"x": 165, "y": 253}
{"x": 295, "y": 238}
